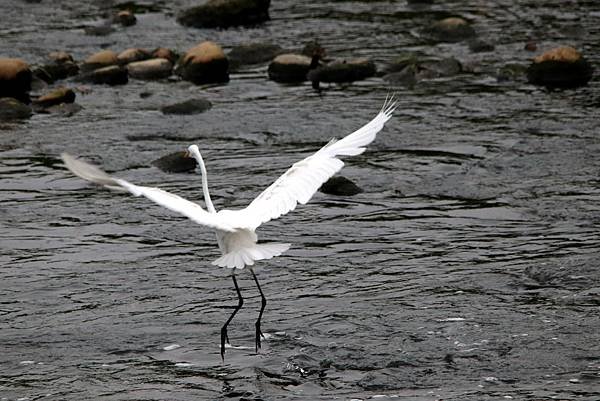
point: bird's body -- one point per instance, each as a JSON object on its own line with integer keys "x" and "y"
{"x": 236, "y": 229}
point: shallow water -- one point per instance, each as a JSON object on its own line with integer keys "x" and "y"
{"x": 466, "y": 270}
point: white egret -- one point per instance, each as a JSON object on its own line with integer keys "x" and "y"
{"x": 235, "y": 229}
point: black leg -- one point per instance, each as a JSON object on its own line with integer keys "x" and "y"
{"x": 224, "y": 336}
{"x": 262, "y": 308}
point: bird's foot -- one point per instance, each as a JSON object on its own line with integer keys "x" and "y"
{"x": 224, "y": 338}
{"x": 258, "y": 335}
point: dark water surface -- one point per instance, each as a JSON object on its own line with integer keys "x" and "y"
{"x": 468, "y": 269}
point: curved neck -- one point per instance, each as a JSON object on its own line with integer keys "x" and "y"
{"x": 207, "y": 200}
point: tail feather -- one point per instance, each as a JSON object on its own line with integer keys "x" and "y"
{"x": 243, "y": 257}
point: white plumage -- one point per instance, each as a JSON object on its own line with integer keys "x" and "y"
{"x": 235, "y": 229}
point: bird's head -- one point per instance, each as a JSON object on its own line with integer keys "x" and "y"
{"x": 193, "y": 152}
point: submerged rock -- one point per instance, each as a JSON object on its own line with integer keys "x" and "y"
{"x": 57, "y": 96}
{"x": 226, "y": 13}
{"x": 155, "y": 68}
{"x": 12, "y": 109}
{"x": 101, "y": 59}
{"x": 175, "y": 163}
{"x": 290, "y": 68}
{"x": 342, "y": 71}
{"x": 340, "y": 186}
{"x": 452, "y": 29}
{"x": 204, "y": 63}
{"x": 125, "y": 18}
{"x": 56, "y": 71}
{"x": 112, "y": 75}
{"x": 252, "y": 53}
{"x": 563, "y": 67}
{"x": 409, "y": 69}
{"x": 15, "y": 79}
{"x": 192, "y": 106}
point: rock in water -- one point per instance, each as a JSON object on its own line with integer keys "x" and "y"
{"x": 155, "y": 68}
{"x": 112, "y": 75}
{"x": 15, "y": 79}
{"x": 563, "y": 67}
{"x": 226, "y": 13}
{"x": 252, "y": 53}
{"x": 342, "y": 71}
{"x": 12, "y": 109}
{"x": 340, "y": 185}
{"x": 290, "y": 68}
{"x": 101, "y": 59}
{"x": 132, "y": 55}
{"x": 192, "y": 106}
{"x": 175, "y": 163}
{"x": 57, "y": 96}
{"x": 204, "y": 63}
{"x": 453, "y": 29}
{"x": 125, "y": 18}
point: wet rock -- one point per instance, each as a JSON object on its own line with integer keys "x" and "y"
{"x": 512, "y": 73}
{"x": 125, "y": 18}
{"x": 342, "y": 71}
{"x": 99, "y": 30}
{"x": 452, "y": 29}
{"x": 155, "y": 68}
{"x": 563, "y": 67}
{"x": 56, "y": 72}
{"x": 252, "y": 53}
{"x": 64, "y": 109}
{"x": 15, "y": 79}
{"x": 409, "y": 69}
{"x": 341, "y": 186}
{"x": 192, "y": 106}
{"x": 101, "y": 59}
{"x": 132, "y": 55}
{"x": 204, "y": 63}
{"x": 226, "y": 13}
{"x": 12, "y": 109}
{"x": 165, "y": 53}
{"x": 175, "y": 163}
{"x": 480, "y": 46}
{"x": 290, "y": 68}
{"x": 61, "y": 57}
{"x": 531, "y": 46}
{"x": 57, "y": 96}
{"x": 112, "y": 75}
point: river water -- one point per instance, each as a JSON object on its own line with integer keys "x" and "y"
{"x": 466, "y": 270}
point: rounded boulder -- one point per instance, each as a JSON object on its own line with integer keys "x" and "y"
{"x": 15, "y": 79}
{"x": 452, "y": 29}
{"x": 562, "y": 67}
{"x": 289, "y": 68}
{"x": 155, "y": 68}
{"x": 204, "y": 63}
{"x": 101, "y": 59}
{"x": 226, "y": 13}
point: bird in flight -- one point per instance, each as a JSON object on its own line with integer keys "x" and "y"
{"x": 236, "y": 229}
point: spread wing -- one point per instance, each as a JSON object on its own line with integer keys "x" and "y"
{"x": 304, "y": 178}
{"x": 170, "y": 201}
